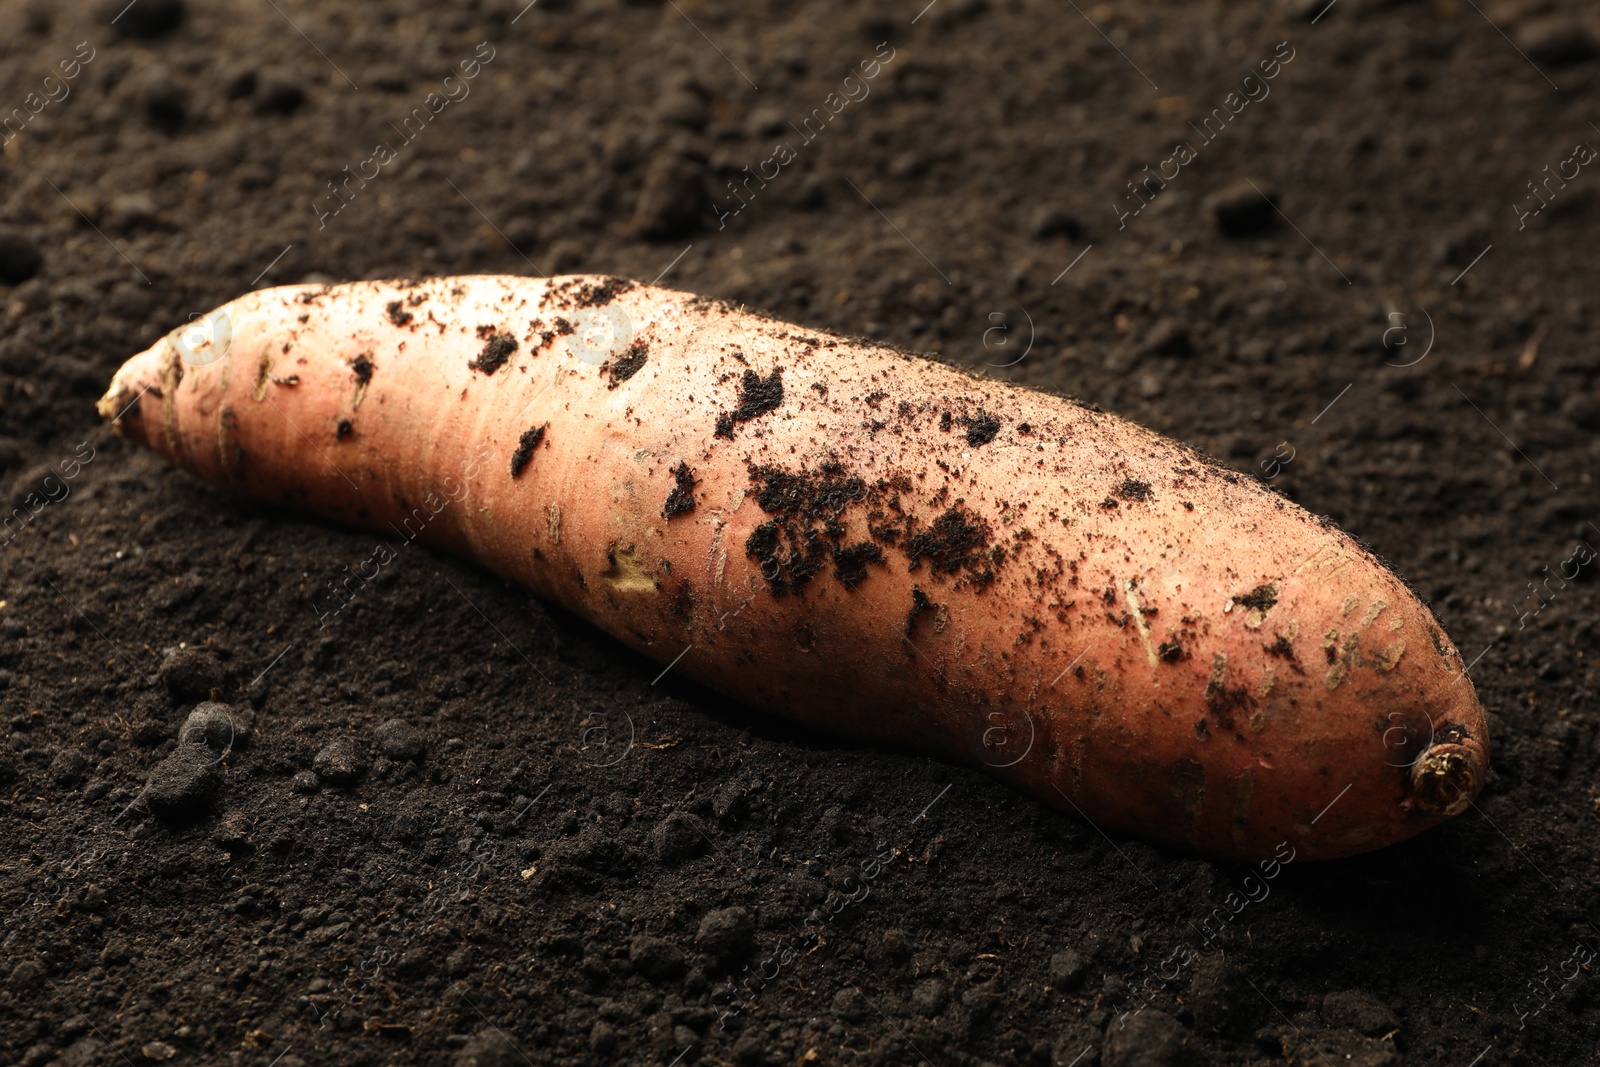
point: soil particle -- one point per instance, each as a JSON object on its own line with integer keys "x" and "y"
{"x": 20, "y": 258}
{"x": 152, "y": 20}
{"x": 190, "y": 673}
{"x": 489, "y": 1047}
{"x": 340, "y": 762}
{"x": 1067, "y": 969}
{"x": 1558, "y": 41}
{"x": 1261, "y": 598}
{"x": 1242, "y": 210}
{"x": 529, "y": 441}
{"x": 1169, "y": 337}
{"x": 655, "y": 958}
{"x": 1280, "y": 648}
{"x": 183, "y": 786}
{"x": 1134, "y": 490}
{"x": 494, "y": 354}
{"x": 1358, "y": 1010}
{"x": 673, "y": 200}
{"x": 344, "y": 429}
{"x": 930, "y": 997}
{"x": 68, "y": 769}
{"x": 809, "y": 527}
{"x": 1171, "y": 651}
{"x": 628, "y": 364}
{"x": 361, "y": 367}
{"x": 757, "y": 396}
{"x": 850, "y": 564}
{"x": 919, "y": 604}
{"x": 955, "y": 543}
{"x": 398, "y": 315}
{"x": 579, "y": 294}
{"x": 399, "y": 740}
{"x": 1224, "y": 701}
{"x": 680, "y": 501}
{"x": 217, "y": 726}
{"x": 727, "y": 934}
{"x": 1148, "y": 1038}
{"x": 982, "y": 429}
{"x": 678, "y": 837}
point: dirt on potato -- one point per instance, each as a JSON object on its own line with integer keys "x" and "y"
{"x": 275, "y": 792}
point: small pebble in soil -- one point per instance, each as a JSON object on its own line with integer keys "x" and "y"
{"x": 305, "y": 782}
{"x": 399, "y": 740}
{"x": 1241, "y": 209}
{"x": 727, "y": 934}
{"x": 340, "y": 762}
{"x": 184, "y": 785}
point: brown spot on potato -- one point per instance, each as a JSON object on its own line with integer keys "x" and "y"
{"x": 1187, "y": 783}
{"x": 625, "y": 573}
{"x": 1389, "y": 658}
{"x": 1342, "y": 662}
{"x": 229, "y": 451}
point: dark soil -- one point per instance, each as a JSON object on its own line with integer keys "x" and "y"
{"x": 436, "y": 821}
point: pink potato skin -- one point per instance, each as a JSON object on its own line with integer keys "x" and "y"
{"x": 893, "y": 550}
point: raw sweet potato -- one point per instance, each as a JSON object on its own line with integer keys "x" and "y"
{"x": 855, "y": 538}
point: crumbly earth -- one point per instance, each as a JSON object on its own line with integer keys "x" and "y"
{"x": 273, "y": 793}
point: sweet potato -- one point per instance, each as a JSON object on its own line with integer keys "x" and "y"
{"x": 855, "y": 538}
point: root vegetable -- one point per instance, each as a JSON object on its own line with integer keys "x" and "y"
{"x": 855, "y": 538}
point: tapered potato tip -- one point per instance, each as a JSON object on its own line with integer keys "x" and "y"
{"x": 121, "y": 405}
{"x": 1447, "y": 778}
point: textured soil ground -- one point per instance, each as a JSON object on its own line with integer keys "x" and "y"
{"x": 454, "y": 825}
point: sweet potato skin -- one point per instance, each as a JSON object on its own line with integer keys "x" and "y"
{"x": 858, "y": 539}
